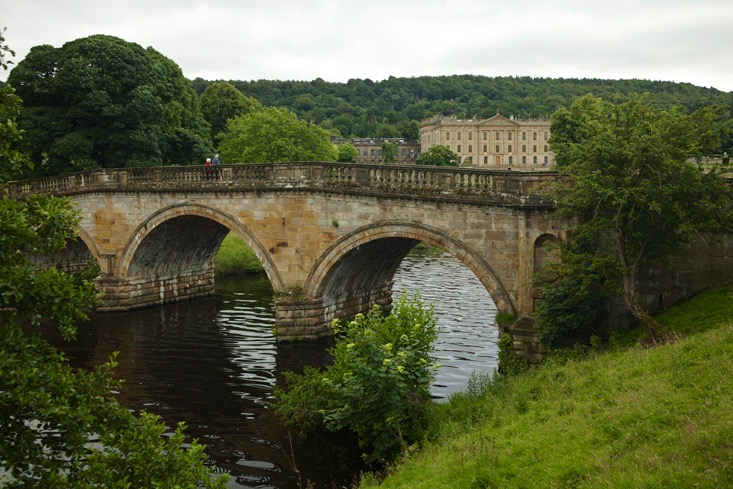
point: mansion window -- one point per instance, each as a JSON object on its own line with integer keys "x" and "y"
{"x": 486, "y": 160}
{"x": 470, "y": 136}
{"x": 524, "y": 136}
{"x": 459, "y": 149}
{"x": 534, "y": 148}
{"x": 524, "y": 148}
{"x": 534, "y": 160}
{"x": 459, "y": 135}
{"x": 447, "y": 135}
{"x": 509, "y": 149}
{"x": 496, "y": 135}
{"x": 545, "y": 161}
{"x": 545, "y": 136}
{"x": 545, "y": 148}
{"x": 485, "y": 148}
{"x": 534, "y": 136}
{"x": 484, "y": 135}
{"x": 524, "y": 160}
{"x": 470, "y": 148}
{"x": 497, "y": 149}
{"x": 509, "y": 136}
{"x": 511, "y": 160}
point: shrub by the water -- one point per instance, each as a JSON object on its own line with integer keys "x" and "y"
{"x": 378, "y": 385}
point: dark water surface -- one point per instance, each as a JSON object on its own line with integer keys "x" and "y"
{"x": 213, "y": 363}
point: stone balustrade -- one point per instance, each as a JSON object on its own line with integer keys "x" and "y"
{"x": 432, "y": 183}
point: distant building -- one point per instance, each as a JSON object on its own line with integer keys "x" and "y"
{"x": 370, "y": 149}
{"x": 497, "y": 142}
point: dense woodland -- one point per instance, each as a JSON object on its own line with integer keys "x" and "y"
{"x": 395, "y": 107}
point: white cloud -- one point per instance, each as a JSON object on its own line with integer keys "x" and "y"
{"x": 677, "y": 40}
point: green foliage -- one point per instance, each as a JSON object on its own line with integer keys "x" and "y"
{"x": 631, "y": 181}
{"x": 235, "y": 258}
{"x": 510, "y": 362}
{"x": 575, "y": 289}
{"x": 221, "y": 101}
{"x": 389, "y": 152}
{"x": 438, "y": 155}
{"x": 396, "y": 106}
{"x": 378, "y": 385}
{"x": 100, "y": 101}
{"x": 347, "y": 153}
{"x": 504, "y": 318}
{"x": 632, "y": 417}
{"x": 274, "y": 135}
{"x": 59, "y": 426}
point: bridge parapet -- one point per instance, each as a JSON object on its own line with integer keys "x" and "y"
{"x": 433, "y": 183}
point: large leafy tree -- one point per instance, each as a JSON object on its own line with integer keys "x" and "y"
{"x": 389, "y": 152}
{"x": 633, "y": 185}
{"x": 62, "y": 427}
{"x": 222, "y": 101}
{"x": 100, "y": 101}
{"x": 347, "y": 153}
{"x": 438, "y": 155}
{"x": 274, "y": 135}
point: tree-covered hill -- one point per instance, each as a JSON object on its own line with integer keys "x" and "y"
{"x": 394, "y": 107}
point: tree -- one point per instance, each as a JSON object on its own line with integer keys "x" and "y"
{"x": 631, "y": 181}
{"x": 222, "y": 101}
{"x": 378, "y": 385}
{"x": 62, "y": 427}
{"x": 389, "y": 152}
{"x": 347, "y": 153}
{"x": 100, "y": 101}
{"x": 274, "y": 135}
{"x": 438, "y": 155}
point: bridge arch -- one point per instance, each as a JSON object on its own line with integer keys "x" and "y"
{"x": 189, "y": 233}
{"x": 367, "y": 258}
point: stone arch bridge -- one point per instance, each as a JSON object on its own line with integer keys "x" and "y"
{"x": 330, "y": 236}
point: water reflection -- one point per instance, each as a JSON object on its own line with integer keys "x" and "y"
{"x": 213, "y": 363}
{"x": 468, "y": 339}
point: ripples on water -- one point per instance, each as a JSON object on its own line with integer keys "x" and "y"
{"x": 213, "y": 363}
{"x": 469, "y": 337}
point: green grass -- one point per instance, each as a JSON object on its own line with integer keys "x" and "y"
{"x": 235, "y": 257}
{"x": 633, "y": 417}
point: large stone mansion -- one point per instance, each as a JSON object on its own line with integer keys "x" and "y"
{"x": 496, "y": 143}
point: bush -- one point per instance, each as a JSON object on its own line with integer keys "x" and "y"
{"x": 378, "y": 385}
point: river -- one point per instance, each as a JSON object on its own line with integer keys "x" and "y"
{"x": 213, "y": 363}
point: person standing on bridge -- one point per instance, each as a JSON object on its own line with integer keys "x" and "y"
{"x": 207, "y": 171}
{"x": 216, "y": 163}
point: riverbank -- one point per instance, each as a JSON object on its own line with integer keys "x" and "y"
{"x": 622, "y": 417}
{"x": 236, "y": 258}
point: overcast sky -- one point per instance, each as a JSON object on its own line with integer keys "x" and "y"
{"x": 671, "y": 40}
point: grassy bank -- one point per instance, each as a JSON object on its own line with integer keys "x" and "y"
{"x": 631, "y": 417}
{"x": 235, "y": 257}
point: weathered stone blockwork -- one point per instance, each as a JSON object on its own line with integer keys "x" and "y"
{"x": 330, "y": 236}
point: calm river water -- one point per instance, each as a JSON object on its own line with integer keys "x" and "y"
{"x": 213, "y": 363}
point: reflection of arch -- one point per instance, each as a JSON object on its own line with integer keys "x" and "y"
{"x": 371, "y": 254}
{"x": 185, "y": 235}
{"x": 544, "y": 251}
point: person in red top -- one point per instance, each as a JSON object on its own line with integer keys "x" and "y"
{"x": 208, "y": 168}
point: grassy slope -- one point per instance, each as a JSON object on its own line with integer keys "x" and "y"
{"x": 235, "y": 257}
{"x": 627, "y": 418}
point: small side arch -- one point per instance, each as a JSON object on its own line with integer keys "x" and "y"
{"x": 200, "y": 221}
{"x": 371, "y": 254}
{"x": 544, "y": 250}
